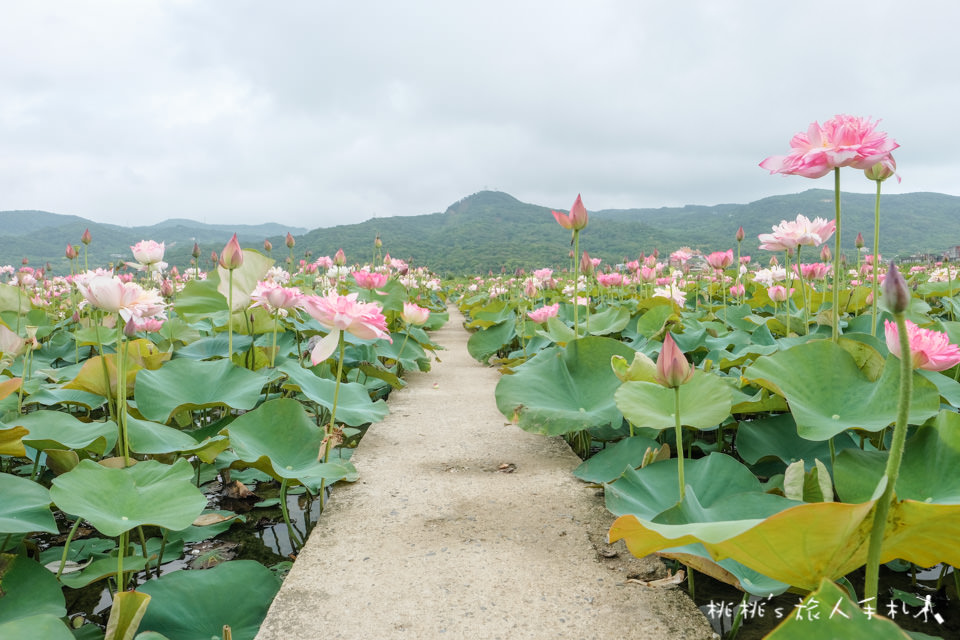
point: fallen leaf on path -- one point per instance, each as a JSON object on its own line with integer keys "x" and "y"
{"x": 669, "y": 582}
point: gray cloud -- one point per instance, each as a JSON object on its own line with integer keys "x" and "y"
{"x": 322, "y": 113}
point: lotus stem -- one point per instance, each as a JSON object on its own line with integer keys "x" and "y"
{"x": 230, "y": 317}
{"x": 803, "y": 293}
{"x": 576, "y": 282}
{"x": 876, "y": 262}
{"x": 679, "y": 434}
{"x": 786, "y": 304}
{"x": 893, "y": 462}
{"x": 121, "y": 551}
{"x": 122, "y": 390}
{"x": 835, "y": 315}
{"x": 294, "y": 540}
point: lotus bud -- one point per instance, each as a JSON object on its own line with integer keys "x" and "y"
{"x": 339, "y": 258}
{"x": 882, "y": 170}
{"x": 586, "y": 264}
{"x": 673, "y": 369}
{"x": 86, "y": 237}
{"x": 232, "y": 255}
{"x": 896, "y": 295}
{"x": 825, "y": 254}
{"x": 71, "y": 253}
{"x": 196, "y": 250}
{"x": 656, "y": 252}
{"x": 377, "y": 242}
{"x": 773, "y": 261}
{"x": 166, "y": 288}
{"x": 740, "y": 234}
{"x": 290, "y": 241}
{"x": 267, "y": 246}
{"x": 858, "y": 243}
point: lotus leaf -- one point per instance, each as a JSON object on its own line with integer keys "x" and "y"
{"x": 279, "y": 438}
{"x": 59, "y": 430}
{"x": 609, "y": 464}
{"x": 608, "y": 321}
{"x": 486, "y": 342}
{"x": 928, "y": 472}
{"x": 46, "y": 626}
{"x": 564, "y": 389}
{"x": 11, "y": 441}
{"x": 102, "y": 566}
{"x": 117, "y": 500}
{"x": 652, "y": 323}
{"x": 192, "y": 604}
{"x": 49, "y": 397}
{"x": 705, "y": 402}
{"x": 828, "y": 612}
{"x": 557, "y": 331}
{"x": 776, "y": 436}
{"x": 155, "y": 438}
{"x": 25, "y": 506}
{"x": 354, "y": 406}
{"x": 28, "y": 590}
{"x": 828, "y": 393}
{"x": 90, "y": 377}
{"x": 200, "y": 299}
{"x": 183, "y": 384}
{"x": 125, "y": 614}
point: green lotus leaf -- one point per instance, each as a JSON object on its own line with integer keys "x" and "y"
{"x": 776, "y": 436}
{"x": 557, "y": 331}
{"x": 183, "y": 384}
{"x": 437, "y": 319}
{"x": 651, "y": 324}
{"x": 191, "y": 604}
{"x": 28, "y": 590}
{"x": 412, "y": 353}
{"x": 494, "y": 312}
{"x": 608, "y": 321}
{"x": 564, "y": 389}
{"x": 59, "y": 430}
{"x": 51, "y": 397}
{"x": 653, "y": 489}
{"x": 154, "y": 438}
{"x": 117, "y": 500}
{"x": 25, "y": 506}
{"x": 948, "y": 387}
{"x": 214, "y": 347}
{"x": 705, "y": 402}
{"x": 102, "y": 566}
{"x": 928, "y": 472}
{"x": 828, "y": 393}
{"x": 610, "y": 463}
{"x": 280, "y": 439}
{"x": 46, "y": 626}
{"x": 200, "y": 299}
{"x": 829, "y": 612}
{"x": 486, "y": 342}
{"x": 354, "y": 406}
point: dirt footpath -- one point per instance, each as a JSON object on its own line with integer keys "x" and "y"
{"x": 463, "y": 526}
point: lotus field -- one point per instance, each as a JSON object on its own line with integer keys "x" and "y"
{"x": 785, "y": 421}
{"x": 125, "y": 398}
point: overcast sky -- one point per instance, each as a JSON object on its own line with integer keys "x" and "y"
{"x": 320, "y": 112}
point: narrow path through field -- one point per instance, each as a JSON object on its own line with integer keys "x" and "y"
{"x": 462, "y": 526}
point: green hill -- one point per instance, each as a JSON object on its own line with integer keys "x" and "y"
{"x": 493, "y": 231}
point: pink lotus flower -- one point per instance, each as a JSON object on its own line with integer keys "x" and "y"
{"x": 842, "y": 141}
{"x": 814, "y": 270}
{"x": 148, "y": 255}
{"x": 790, "y": 234}
{"x": 930, "y": 350}
{"x": 414, "y": 314}
{"x": 275, "y": 297}
{"x": 610, "y": 279}
{"x": 232, "y": 255}
{"x": 370, "y": 279}
{"x": 324, "y": 262}
{"x": 543, "y": 314}
{"x": 737, "y": 290}
{"x": 130, "y": 300}
{"x": 681, "y": 255}
{"x": 343, "y": 313}
{"x": 720, "y": 259}
{"x": 778, "y": 293}
{"x": 673, "y": 369}
{"x": 577, "y": 218}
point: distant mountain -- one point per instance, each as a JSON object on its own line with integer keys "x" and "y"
{"x": 493, "y": 231}
{"x": 41, "y": 237}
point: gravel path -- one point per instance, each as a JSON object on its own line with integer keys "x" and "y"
{"x": 463, "y": 526}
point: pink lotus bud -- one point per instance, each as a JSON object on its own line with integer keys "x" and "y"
{"x": 339, "y": 258}
{"x": 576, "y": 219}
{"x": 290, "y": 241}
{"x": 196, "y": 250}
{"x": 71, "y": 253}
{"x": 740, "y": 234}
{"x": 858, "y": 243}
{"x": 267, "y": 246}
{"x": 213, "y": 257}
{"x": 166, "y": 288}
{"x": 673, "y": 369}
{"x": 896, "y": 295}
{"x": 825, "y": 254}
{"x": 882, "y": 170}
{"x": 232, "y": 255}
{"x": 86, "y": 237}
{"x": 586, "y": 264}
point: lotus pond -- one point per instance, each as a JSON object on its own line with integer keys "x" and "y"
{"x": 156, "y": 423}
